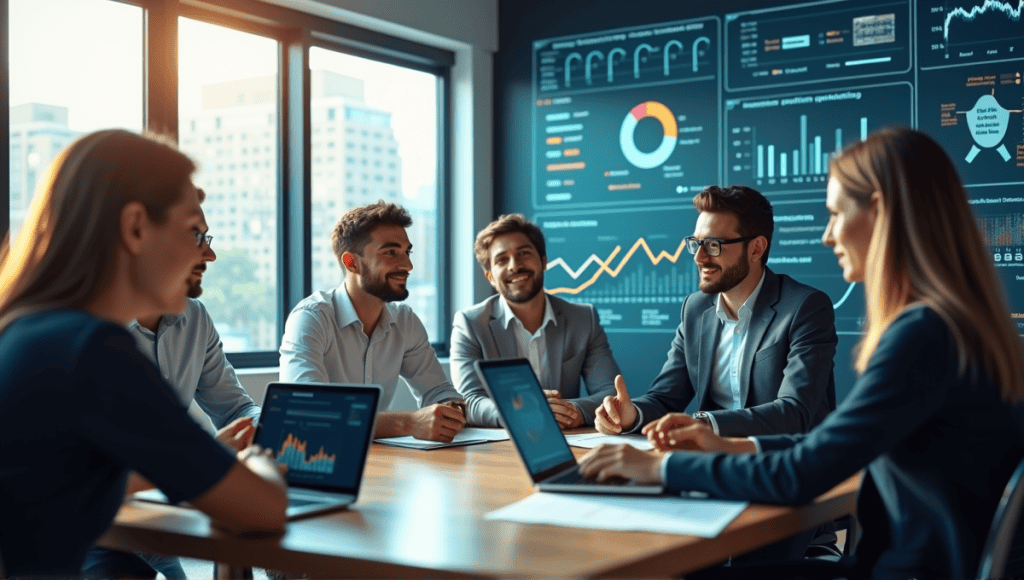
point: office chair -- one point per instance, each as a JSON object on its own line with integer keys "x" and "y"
{"x": 1004, "y": 525}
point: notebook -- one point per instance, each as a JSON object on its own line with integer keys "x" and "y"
{"x": 520, "y": 401}
{"x": 322, "y": 432}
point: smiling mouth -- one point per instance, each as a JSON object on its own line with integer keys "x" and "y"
{"x": 516, "y": 279}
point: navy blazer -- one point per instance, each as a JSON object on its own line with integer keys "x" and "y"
{"x": 577, "y": 347}
{"x": 938, "y": 447}
{"x": 786, "y": 377}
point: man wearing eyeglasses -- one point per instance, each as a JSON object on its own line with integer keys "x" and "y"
{"x": 754, "y": 349}
{"x": 187, "y": 351}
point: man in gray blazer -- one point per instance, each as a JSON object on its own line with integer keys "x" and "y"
{"x": 755, "y": 348}
{"x": 563, "y": 341}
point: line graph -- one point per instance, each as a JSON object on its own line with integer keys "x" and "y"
{"x": 603, "y": 265}
{"x": 970, "y": 15}
{"x": 955, "y": 32}
{"x": 631, "y": 265}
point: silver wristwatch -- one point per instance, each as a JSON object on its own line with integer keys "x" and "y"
{"x": 702, "y": 416}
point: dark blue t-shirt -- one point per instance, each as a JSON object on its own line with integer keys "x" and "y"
{"x": 80, "y": 406}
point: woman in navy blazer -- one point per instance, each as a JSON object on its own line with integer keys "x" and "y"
{"x": 933, "y": 416}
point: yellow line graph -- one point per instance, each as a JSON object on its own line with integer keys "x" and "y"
{"x": 603, "y": 267}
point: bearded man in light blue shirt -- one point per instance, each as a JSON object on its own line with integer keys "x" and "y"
{"x": 188, "y": 352}
{"x": 359, "y": 333}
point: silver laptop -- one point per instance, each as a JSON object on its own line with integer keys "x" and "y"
{"x": 532, "y": 426}
{"x": 322, "y": 432}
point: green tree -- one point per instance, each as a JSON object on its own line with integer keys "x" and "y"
{"x": 235, "y": 297}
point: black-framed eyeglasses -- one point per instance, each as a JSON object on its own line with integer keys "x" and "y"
{"x": 712, "y": 246}
{"x": 201, "y": 237}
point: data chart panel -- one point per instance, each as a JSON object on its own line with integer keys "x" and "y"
{"x": 626, "y": 116}
{"x": 320, "y": 435}
{"x": 823, "y": 41}
{"x": 975, "y": 113}
{"x": 797, "y": 251}
{"x": 951, "y": 32}
{"x": 632, "y": 265}
{"x": 1000, "y": 215}
{"x": 783, "y": 144}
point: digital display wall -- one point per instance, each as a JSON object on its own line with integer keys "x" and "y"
{"x": 634, "y": 108}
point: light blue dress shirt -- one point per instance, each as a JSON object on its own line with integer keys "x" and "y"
{"x": 188, "y": 352}
{"x": 725, "y": 380}
{"x": 324, "y": 342}
{"x": 732, "y": 343}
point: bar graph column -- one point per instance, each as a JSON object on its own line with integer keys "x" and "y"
{"x": 784, "y": 143}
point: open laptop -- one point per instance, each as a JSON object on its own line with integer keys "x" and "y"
{"x": 531, "y": 424}
{"x": 322, "y": 432}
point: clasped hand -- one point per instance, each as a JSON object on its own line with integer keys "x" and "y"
{"x": 567, "y": 414}
{"x": 438, "y": 422}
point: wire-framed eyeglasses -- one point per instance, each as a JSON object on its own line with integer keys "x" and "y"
{"x": 712, "y": 246}
{"x": 201, "y": 237}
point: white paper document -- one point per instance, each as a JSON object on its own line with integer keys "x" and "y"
{"x": 468, "y": 436}
{"x": 591, "y": 440}
{"x": 666, "y": 515}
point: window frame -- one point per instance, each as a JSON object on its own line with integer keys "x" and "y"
{"x": 295, "y": 32}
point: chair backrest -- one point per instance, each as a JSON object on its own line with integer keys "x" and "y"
{"x": 1004, "y": 524}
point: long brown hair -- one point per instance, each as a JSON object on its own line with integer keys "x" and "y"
{"x": 67, "y": 248}
{"x": 926, "y": 247}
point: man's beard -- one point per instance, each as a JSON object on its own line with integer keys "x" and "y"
{"x": 523, "y": 295}
{"x": 382, "y": 289}
{"x": 730, "y": 277}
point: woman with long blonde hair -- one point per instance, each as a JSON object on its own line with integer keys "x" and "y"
{"x": 112, "y": 235}
{"x": 933, "y": 416}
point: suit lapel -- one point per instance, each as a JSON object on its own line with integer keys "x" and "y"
{"x": 504, "y": 340}
{"x": 761, "y": 318}
{"x": 709, "y": 329}
{"x": 553, "y": 343}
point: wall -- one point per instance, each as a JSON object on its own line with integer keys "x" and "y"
{"x": 611, "y": 118}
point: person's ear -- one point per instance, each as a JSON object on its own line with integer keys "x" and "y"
{"x": 350, "y": 262}
{"x": 876, "y": 204}
{"x": 134, "y": 224}
{"x": 490, "y": 278}
{"x": 757, "y": 247}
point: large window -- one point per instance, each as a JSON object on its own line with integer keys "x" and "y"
{"x": 227, "y": 121}
{"x": 291, "y": 118}
{"x": 375, "y": 137}
{"x": 74, "y": 67}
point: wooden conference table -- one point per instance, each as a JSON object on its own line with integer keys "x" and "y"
{"x": 420, "y": 514}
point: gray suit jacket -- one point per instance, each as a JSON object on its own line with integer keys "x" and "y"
{"x": 786, "y": 375}
{"x": 576, "y": 347}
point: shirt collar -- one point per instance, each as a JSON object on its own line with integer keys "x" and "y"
{"x": 748, "y": 305}
{"x": 165, "y": 321}
{"x": 506, "y": 316}
{"x": 345, "y": 311}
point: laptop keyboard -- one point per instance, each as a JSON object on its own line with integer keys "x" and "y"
{"x": 300, "y": 502}
{"x": 573, "y": 477}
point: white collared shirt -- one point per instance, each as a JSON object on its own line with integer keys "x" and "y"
{"x": 732, "y": 343}
{"x": 531, "y": 346}
{"x": 324, "y": 342}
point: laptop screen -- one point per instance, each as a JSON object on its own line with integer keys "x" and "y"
{"x": 528, "y": 418}
{"x": 321, "y": 432}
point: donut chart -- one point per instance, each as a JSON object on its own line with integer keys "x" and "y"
{"x": 668, "y": 142}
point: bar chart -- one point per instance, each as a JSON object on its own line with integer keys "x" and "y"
{"x": 788, "y": 149}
